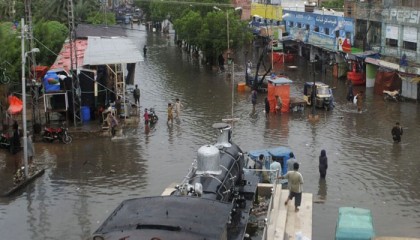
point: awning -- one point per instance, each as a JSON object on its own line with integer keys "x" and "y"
{"x": 362, "y": 55}
{"x": 382, "y": 63}
{"x": 112, "y": 50}
{"x": 280, "y": 80}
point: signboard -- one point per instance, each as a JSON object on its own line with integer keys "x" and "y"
{"x": 344, "y": 45}
{"x": 267, "y": 11}
{"x": 328, "y": 29}
{"x": 410, "y": 16}
{"x": 410, "y": 34}
{"x": 391, "y": 32}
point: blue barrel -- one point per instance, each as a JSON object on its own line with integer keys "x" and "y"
{"x": 85, "y": 113}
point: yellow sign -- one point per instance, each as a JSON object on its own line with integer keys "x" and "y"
{"x": 274, "y": 12}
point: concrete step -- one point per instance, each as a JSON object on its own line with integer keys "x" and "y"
{"x": 299, "y": 222}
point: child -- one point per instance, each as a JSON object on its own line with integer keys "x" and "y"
{"x": 146, "y": 117}
{"x": 170, "y": 114}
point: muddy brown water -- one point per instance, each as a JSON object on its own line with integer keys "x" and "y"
{"x": 85, "y": 180}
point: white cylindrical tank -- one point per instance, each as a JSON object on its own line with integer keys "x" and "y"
{"x": 208, "y": 160}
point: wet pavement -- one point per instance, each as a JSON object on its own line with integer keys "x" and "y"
{"x": 85, "y": 180}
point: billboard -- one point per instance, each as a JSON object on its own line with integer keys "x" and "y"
{"x": 267, "y": 11}
{"x": 319, "y": 29}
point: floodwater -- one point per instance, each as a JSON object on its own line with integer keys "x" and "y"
{"x": 85, "y": 180}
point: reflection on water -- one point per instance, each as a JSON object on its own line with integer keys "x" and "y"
{"x": 84, "y": 181}
{"x": 322, "y": 189}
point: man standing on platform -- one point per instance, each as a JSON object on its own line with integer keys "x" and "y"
{"x": 295, "y": 182}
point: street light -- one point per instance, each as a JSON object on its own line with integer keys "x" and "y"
{"x": 25, "y": 138}
{"x": 230, "y": 62}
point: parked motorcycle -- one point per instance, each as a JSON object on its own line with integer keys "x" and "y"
{"x": 153, "y": 118}
{"x": 10, "y": 142}
{"x": 393, "y": 96}
{"x": 61, "y": 134}
{"x": 5, "y": 140}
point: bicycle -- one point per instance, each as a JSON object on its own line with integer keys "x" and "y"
{"x": 4, "y": 79}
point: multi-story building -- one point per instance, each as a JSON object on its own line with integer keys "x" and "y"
{"x": 367, "y": 16}
{"x": 391, "y": 27}
{"x": 401, "y": 22}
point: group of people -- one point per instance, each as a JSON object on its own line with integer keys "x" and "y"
{"x": 176, "y": 107}
{"x": 294, "y": 177}
{"x": 279, "y": 103}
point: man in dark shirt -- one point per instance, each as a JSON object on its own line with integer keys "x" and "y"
{"x": 397, "y": 132}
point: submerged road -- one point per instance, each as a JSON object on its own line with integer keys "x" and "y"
{"x": 85, "y": 180}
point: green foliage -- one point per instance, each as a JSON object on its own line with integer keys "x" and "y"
{"x": 101, "y": 18}
{"x": 49, "y": 38}
{"x": 52, "y": 35}
{"x": 10, "y": 50}
{"x": 210, "y": 33}
{"x": 334, "y": 4}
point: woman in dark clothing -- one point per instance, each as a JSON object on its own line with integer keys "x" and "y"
{"x": 323, "y": 164}
{"x": 267, "y": 107}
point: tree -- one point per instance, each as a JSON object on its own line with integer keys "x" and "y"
{"x": 52, "y": 35}
{"x": 335, "y": 4}
{"x": 57, "y": 10}
{"x": 210, "y": 33}
{"x": 101, "y": 18}
{"x": 10, "y": 50}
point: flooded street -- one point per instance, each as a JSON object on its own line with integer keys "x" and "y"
{"x": 86, "y": 180}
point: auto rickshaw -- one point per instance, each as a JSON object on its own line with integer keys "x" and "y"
{"x": 322, "y": 96}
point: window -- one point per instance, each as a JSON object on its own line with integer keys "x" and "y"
{"x": 299, "y": 25}
{"x": 337, "y": 34}
{"x": 348, "y": 35}
{"x": 316, "y": 29}
{"x": 327, "y": 31}
{"x": 391, "y": 42}
{"x": 349, "y": 10}
{"x": 307, "y": 27}
{"x": 410, "y": 45}
{"x": 291, "y": 24}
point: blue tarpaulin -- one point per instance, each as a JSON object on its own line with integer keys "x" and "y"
{"x": 270, "y": 153}
{"x": 51, "y": 81}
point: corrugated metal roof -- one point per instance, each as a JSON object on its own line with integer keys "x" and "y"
{"x": 111, "y": 51}
{"x": 63, "y": 58}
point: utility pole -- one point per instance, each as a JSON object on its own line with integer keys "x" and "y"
{"x": 73, "y": 62}
{"x": 33, "y": 83}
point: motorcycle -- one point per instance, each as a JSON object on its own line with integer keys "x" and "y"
{"x": 61, "y": 134}
{"x": 153, "y": 118}
{"x": 392, "y": 96}
{"x": 5, "y": 140}
{"x": 10, "y": 142}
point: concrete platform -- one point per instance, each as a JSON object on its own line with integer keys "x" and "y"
{"x": 395, "y": 238}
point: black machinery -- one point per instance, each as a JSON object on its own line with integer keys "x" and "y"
{"x": 213, "y": 202}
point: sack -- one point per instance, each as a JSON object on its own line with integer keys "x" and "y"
{"x": 355, "y": 100}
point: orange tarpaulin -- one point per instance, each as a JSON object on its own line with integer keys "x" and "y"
{"x": 15, "y": 105}
{"x": 283, "y": 91}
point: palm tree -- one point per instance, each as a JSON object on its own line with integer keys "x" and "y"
{"x": 58, "y": 9}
